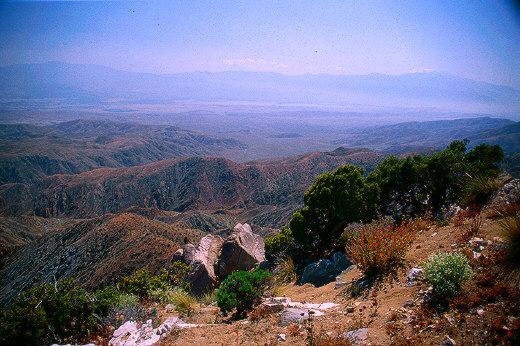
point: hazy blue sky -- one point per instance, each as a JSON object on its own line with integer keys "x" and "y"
{"x": 475, "y": 39}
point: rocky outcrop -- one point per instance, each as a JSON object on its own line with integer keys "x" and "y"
{"x": 214, "y": 258}
{"x": 202, "y": 277}
{"x": 242, "y": 250}
{"x": 325, "y": 271}
{"x": 507, "y": 194}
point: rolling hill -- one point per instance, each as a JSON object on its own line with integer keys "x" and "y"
{"x": 29, "y": 153}
{"x": 95, "y": 251}
{"x": 267, "y": 191}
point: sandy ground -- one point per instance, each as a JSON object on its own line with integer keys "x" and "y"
{"x": 373, "y": 309}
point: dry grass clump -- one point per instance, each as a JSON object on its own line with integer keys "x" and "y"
{"x": 208, "y": 298}
{"x": 285, "y": 273}
{"x": 505, "y": 210}
{"x": 477, "y": 190}
{"x": 184, "y": 302}
{"x": 511, "y": 231}
{"x": 260, "y": 312}
{"x": 472, "y": 228}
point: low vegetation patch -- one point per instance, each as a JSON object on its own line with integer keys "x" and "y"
{"x": 378, "y": 247}
{"x": 51, "y": 313}
{"x": 242, "y": 291}
{"x": 511, "y": 230}
{"x": 446, "y": 272}
{"x": 478, "y": 189}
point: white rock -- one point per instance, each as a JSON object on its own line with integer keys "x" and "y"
{"x": 326, "y": 306}
{"x": 128, "y": 327}
{"x": 281, "y": 337}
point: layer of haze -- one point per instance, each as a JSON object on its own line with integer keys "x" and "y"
{"x": 474, "y": 39}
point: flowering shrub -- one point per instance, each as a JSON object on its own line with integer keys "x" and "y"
{"x": 375, "y": 248}
{"x": 446, "y": 272}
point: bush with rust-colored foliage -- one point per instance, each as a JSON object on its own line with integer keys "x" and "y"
{"x": 378, "y": 247}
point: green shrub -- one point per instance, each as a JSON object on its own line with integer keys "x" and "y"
{"x": 105, "y": 299}
{"x": 48, "y": 313}
{"x": 178, "y": 275}
{"x": 127, "y": 299}
{"x": 242, "y": 290}
{"x": 278, "y": 246}
{"x": 333, "y": 200}
{"x": 511, "y": 231}
{"x": 446, "y": 272}
{"x": 142, "y": 281}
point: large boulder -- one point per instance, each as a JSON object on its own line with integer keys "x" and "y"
{"x": 325, "y": 271}
{"x": 242, "y": 250}
{"x": 185, "y": 254}
{"x": 202, "y": 277}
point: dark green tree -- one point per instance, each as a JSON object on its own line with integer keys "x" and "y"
{"x": 483, "y": 160}
{"x": 415, "y": 185}
{"x": 334, "y": 200}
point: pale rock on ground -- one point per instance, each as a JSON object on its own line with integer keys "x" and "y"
{"x": 130, "y": 334}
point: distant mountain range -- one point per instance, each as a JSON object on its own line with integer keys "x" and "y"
{"x": 415, "y": 135}
{"x": 96, "y": 84}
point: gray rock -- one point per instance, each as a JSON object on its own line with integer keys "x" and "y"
{"x": 325, "y": 271}
{"x": 242, "y": 250}
{"x": 341, "y": 261}
{"x": 188, "y": 253}
{"x": 448, "y": 341}
{"x": 507, "y": 194}
{"x": 356, "y": 337}
{"x": 203, "y": 278}
{"x": 293, "y": 316}
{"x": 411, "y": 279}
{"x": 319, "y": 273}
{"x": 408, "y": 303}
{"x": 177, "y": 256}
{"x": 341, "y": 284}
{"x": 129, "y": 335}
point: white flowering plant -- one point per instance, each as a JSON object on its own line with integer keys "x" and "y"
{"x": 446, "y": 272}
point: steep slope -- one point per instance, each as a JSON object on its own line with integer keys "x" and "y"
{"x": 255, "y": 190}
{"x": 29, "y": 153}
{"x": 16, "y": 232}
{"x": 95, "y": 251}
